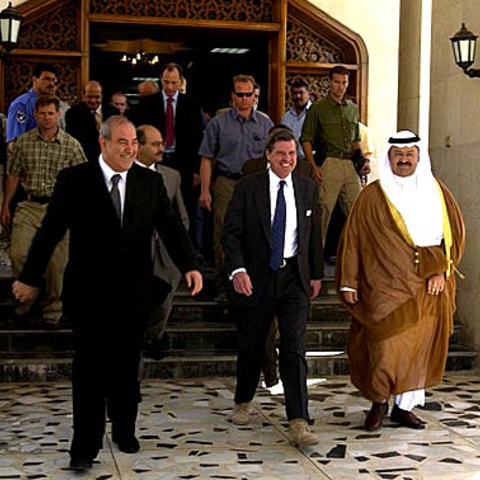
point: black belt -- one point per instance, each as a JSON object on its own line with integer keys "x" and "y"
{"x": 38, "y": 199}
{"x": 288, "y": 261}
{"x": 341, "y": 155}
{"x": 231, "y": 176}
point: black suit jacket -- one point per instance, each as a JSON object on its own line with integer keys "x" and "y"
{"x": 109, "y": 269}
{"x": 246, "y": 233}
{"x": 80, "y": 123}
{"x": 188, "y": 126}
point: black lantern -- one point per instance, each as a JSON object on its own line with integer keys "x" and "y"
{"x": 464, "y": 44}
{"x": 10, "y": 21}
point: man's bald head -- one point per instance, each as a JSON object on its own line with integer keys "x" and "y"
{"x": 92, "y": 94}
{"x": 150, "y": 148}
{"x": 148, "y": 88}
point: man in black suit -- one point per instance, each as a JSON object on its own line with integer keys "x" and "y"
{"x": 273, "y": 254}
{"x": 109, "y": 286}
{"x": 182, "y": 135}
{"x": 83, "y": 120}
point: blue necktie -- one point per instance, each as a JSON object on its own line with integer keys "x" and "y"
{"x": 277, "y": 240}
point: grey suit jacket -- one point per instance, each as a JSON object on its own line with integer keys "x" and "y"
{"x": 163, "y": 266}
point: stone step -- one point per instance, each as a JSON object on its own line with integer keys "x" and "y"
{"x": 18, "y": 343}
{"x": 182, "y": 364}
{"x": 195, "y": 310}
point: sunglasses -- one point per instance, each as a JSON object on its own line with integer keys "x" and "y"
{"x": 243, "y": 94}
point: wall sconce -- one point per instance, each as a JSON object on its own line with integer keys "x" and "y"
{"x": 464, "y": 44}
{"x": 10, "y": 21}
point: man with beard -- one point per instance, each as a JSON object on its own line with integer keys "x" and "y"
{"x": 395, "y": 272}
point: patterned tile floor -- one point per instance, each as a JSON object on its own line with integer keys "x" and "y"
{"x": 185, "y": 434}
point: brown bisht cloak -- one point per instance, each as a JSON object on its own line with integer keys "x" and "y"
{"x": 399, "y": 334}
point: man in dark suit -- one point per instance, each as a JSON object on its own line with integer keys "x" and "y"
{"x": 109, "y": 286}
{"x": 270, "y": 358}
{"x": 273, "y": 253}
{"x": 83, "y": 120}
{"x": 182, "y": 130}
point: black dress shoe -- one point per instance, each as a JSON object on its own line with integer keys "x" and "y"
{"x": 405, "y": 418}
{"x": 270, "y": 377}
{"x": 79, "y": 463}
{"x": 375, "y": 416}
{"x": 128, "y": 444}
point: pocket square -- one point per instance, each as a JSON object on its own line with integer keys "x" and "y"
{"x": 308, "y": 213}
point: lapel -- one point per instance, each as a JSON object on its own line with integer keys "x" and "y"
{"x": 301, "y": 201}
{"x": 131, "y": 195}
{"x": 262, "y": 199}
{"x": 160, "y": 110}
{"x": 179, "y": 110}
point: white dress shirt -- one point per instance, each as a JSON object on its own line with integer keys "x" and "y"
{"x": 108, "y": 173}
{"x": 290, "y": 247}
{"x": 150, "y": 167}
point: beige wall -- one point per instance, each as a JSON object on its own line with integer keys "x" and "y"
{"x": 4, "y": 3}
{"x": 455, "y": 112}
{"x": 377, "y": 22}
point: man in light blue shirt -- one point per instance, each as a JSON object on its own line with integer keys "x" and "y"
{"x": 295, "y": 117}
{"x": 20, "y": 117}
{"x": 231, "y": 138}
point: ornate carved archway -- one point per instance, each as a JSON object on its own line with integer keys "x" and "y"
{"x": 304, "y": 41}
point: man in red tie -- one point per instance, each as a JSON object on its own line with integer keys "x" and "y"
{"x": 179, "y": 119}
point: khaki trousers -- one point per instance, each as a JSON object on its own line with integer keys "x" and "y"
{"x": 340, "y": 181}
{"x": 26, "y": 221}
{"x": 223, "y": 192}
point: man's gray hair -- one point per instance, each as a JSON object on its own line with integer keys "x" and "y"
{"x": 113, "y": 121}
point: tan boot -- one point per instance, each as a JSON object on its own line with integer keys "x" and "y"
{"x": 300, "y": 435}
{"x": 240, "y": 414}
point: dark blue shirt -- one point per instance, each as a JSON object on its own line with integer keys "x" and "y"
{"x": 20, "y": 115}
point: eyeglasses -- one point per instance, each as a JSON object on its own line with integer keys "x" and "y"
{"x": 243, "y": 94}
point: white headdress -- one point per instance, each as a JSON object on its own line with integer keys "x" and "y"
{"x": 416, "y": 197}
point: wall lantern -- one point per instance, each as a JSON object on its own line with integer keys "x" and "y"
{"x": 464, "y": 44}
{"x": 10, "y": 21}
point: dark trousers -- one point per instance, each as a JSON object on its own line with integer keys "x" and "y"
{"x": 285, "y": 297}
{"x": 104, "y": 375}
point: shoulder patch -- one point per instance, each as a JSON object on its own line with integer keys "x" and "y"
{"x": 21, "y": 116}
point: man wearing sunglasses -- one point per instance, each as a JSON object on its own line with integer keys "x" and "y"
{"x": 230, "y": 140}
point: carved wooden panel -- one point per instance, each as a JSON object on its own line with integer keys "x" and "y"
{"x": 229, "y": 10}
{"x": 56, "y": 30}
{"x": 18, "y": 77}
{"x": 305, "y": 45}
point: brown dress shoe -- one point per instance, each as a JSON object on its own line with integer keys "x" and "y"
{"x": 405, "y": 418}
{"x": 375, "y": 416}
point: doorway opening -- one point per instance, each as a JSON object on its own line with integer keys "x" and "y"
{"x": 210, "y": 58}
